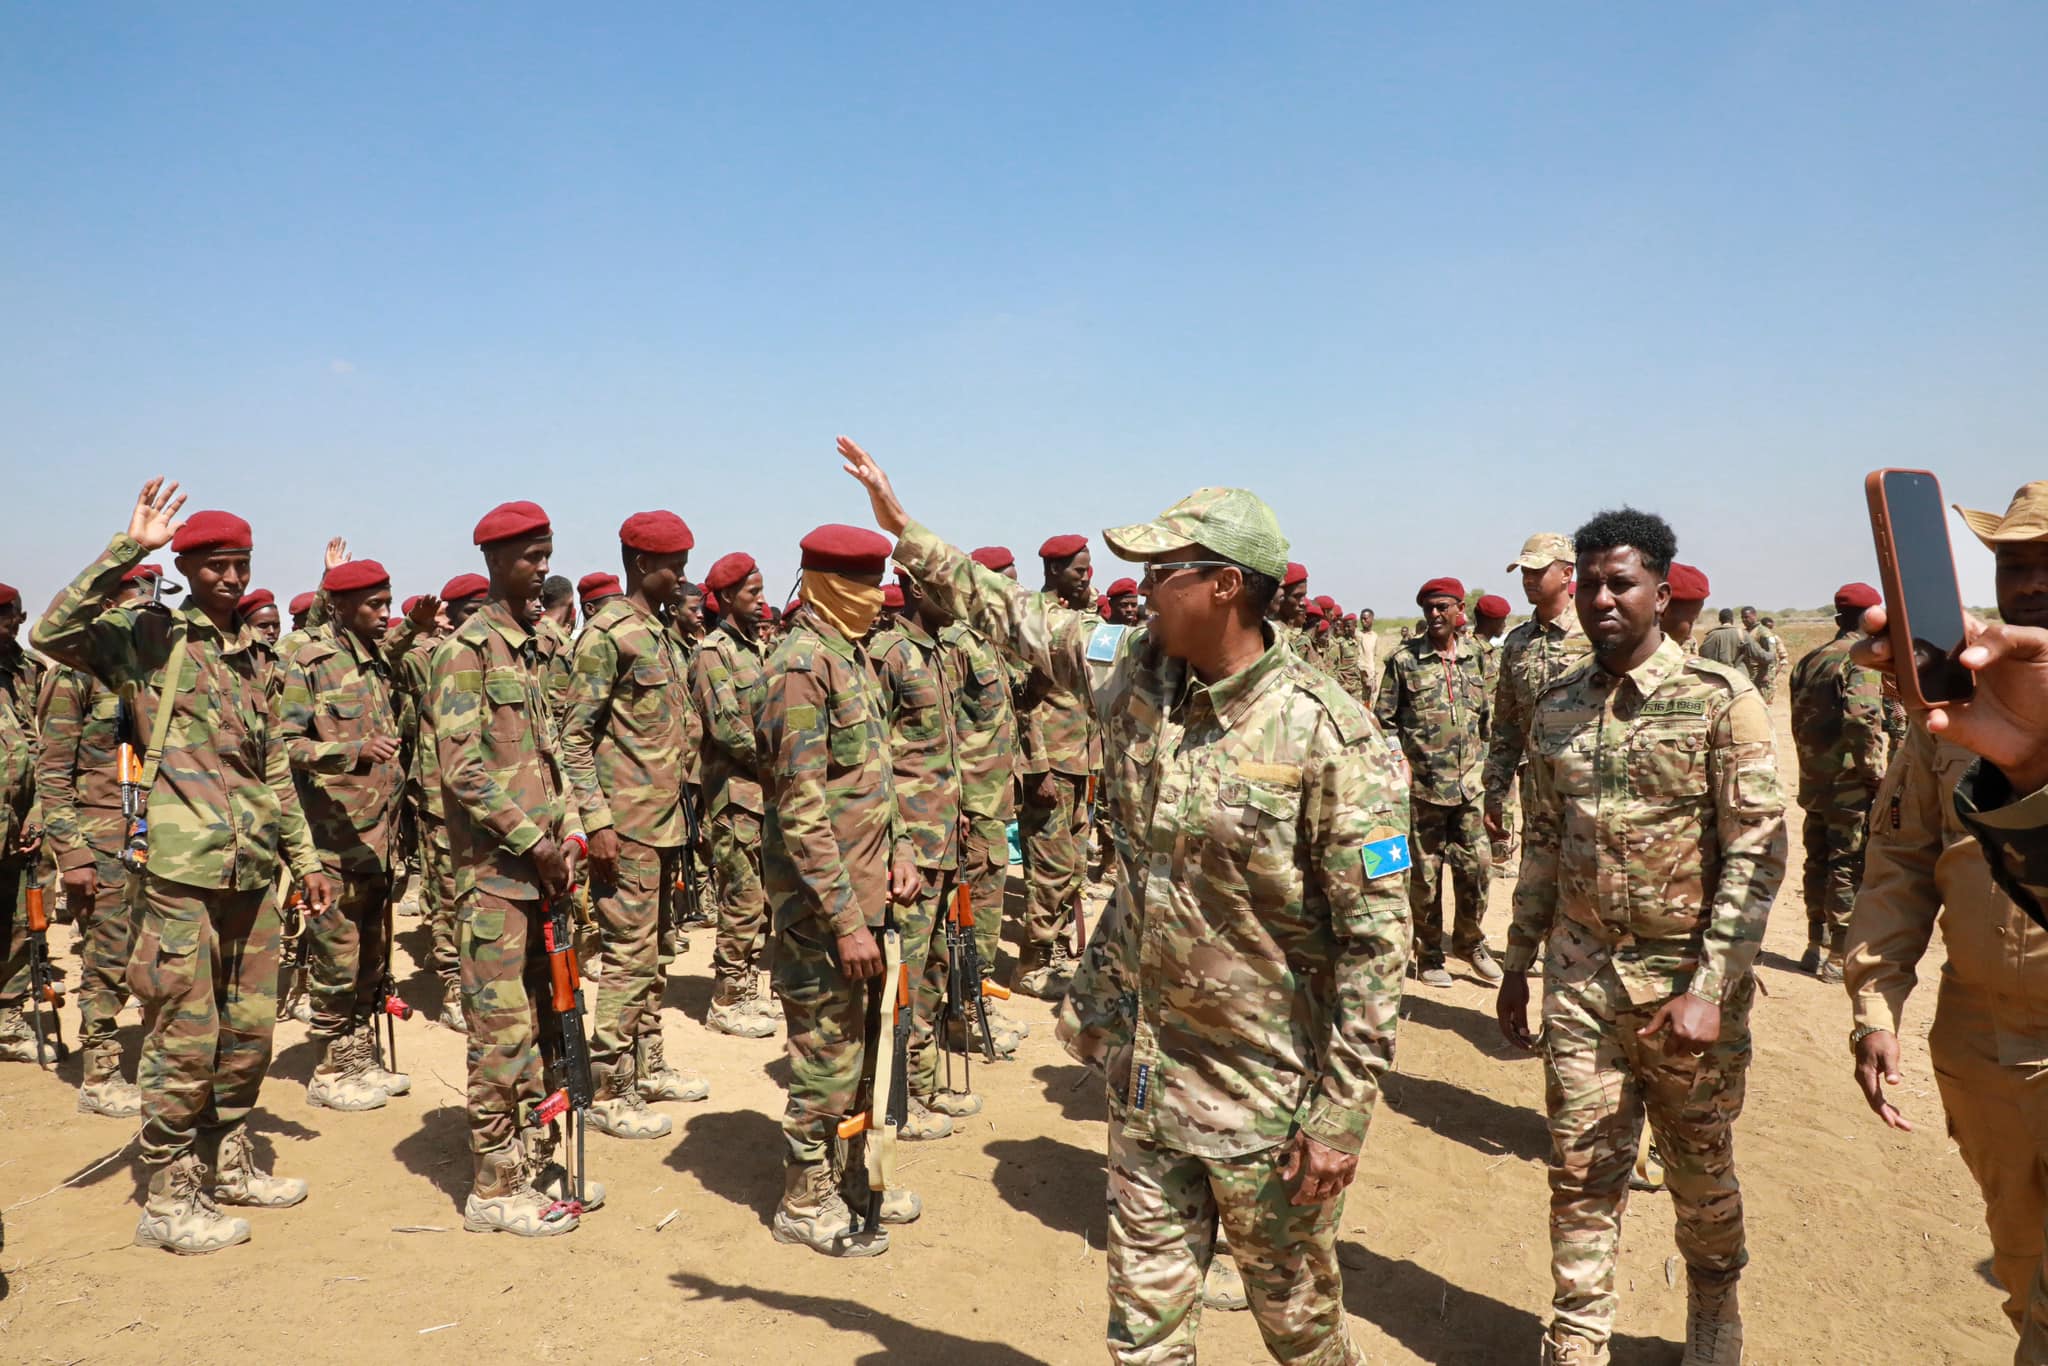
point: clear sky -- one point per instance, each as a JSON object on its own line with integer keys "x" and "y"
{"x": 1428, "y": 278}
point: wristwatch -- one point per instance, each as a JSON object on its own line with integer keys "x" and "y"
{"x": 1862, "y": 1032}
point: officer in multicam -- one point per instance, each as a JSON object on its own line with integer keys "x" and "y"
{"x": 1655, "y": 843}
{"x": 1243, "y": 1034}
{"x": 1532, "y": 657}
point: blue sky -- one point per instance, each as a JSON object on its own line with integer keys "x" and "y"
{"x": 1428, "y": 278}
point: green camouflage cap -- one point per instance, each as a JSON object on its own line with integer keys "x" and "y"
{"x": 1235, "y": 523}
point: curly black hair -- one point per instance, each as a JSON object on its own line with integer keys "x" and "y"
{"x": 1650, "y": 535}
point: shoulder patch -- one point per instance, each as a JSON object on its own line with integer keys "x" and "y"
{"x": 1342, "y": 708}
{"x": 1570, "y": 676}
{"x": 1748, "y": 722}
{"x": 1104, "y": 642}
{"x": 1385, "y": 853}
{"x": 1735, "y": 679}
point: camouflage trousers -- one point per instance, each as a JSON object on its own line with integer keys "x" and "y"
{"x": 345, "y": 951}
{"x": 1998, "y": 1116}
{"x": 14, "y": 875}
{"x": 985, "y": 871}
{"x": 1164, "y": 1211}
{"x": 205, "y": 970}
{"x": 504, "y": 989}
{"x": 924, "y": 953}
{"x": 1834, "y": 842}
{"x": 629, "y": 919}
{"x": 1599, "y": 1081}
{"x": 741, "y": 905}
{"x": 106, "y": 939}
{"x": 437, "y": 896}
{"x": 1440, "y": 836}
{"x": 825, "y": 1017}
{"x": 1054, "y": 836}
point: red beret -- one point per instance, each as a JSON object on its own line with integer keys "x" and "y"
{"x": 262, "y": 597}
{"x": 1062, "y": 547}
{"x": 210, "y": 530}
{"x": 1439, "y": 588}
{"x": 1687, "y": 583}
{"x": 729, "y": 571}
{"x": 595, "y": 586}
{"x": 1855, "y": 597}
{"x": 892, "y": 595}
{"x": 9, "y": 593}
{"x": 143, "y": 571}
{"x": 393, "y": 623}
{"x": 1313, "y": 608}
{"x": 656, "y": 533}
{"x": 1325, "y": 601}
{"x": 302, "y": 604}
{"x": 1296, "y": 573}
{"x": 1495, "y": 606}
{"x": 354, "y": 576}
{"x": 1102, "y": 606}
{"x": 507, "y": 520}
{"x": 405, "y": 608}
{"x": 1122, "y": 588}
{"x": 996, "y": 558}
{"x": 850, "y": 550}
{"x": 463, "y": 587}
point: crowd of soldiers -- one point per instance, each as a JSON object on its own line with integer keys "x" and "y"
{"x": 1275, "y": 808}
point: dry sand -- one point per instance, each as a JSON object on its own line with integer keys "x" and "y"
{"x": 1867, "y": 1246}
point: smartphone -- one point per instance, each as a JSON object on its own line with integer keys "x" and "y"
{"x": 1921, "y": 602}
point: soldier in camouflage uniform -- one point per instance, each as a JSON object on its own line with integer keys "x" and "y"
{"x": 595, "y": 589}
{"x": 1433, "y": 697}
{"x": 338, "y": 715}
{"x": 1126, "y": 608}
{"x": 1689, "y": 589}
{"x": 258, "y": 611}
{"x": 223, "y": 815}
{"x": 1838, "y": 726}
{"x": 1243, "y": 1033}
{"x": 1765, "y": 652}
{"x": 1060, "y": 750}
{"x": 686, "y": 622}
{"x": 1532, "y": 657}
{"x": 1656, "y": 840}
{"x": 1347, "y": 660}
{"x": 515, "y": 840}
{"x": 726, "y": 681}
{"x": 622, "y": 743}
{"x": 20, "y": 839}
{"x": 833, "y": 858}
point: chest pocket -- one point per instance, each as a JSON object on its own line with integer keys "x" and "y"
{"x": 650, "y": 680}
{"x": 1256, "y": 822}
{"x": 847, "y": 738}
{"x": 982, "y": 697}
{"x": 1668, "y": 765}
{"x": 505, "y": 692}
{"x": 343, "y": 716}
{"x": 920, "y": 719}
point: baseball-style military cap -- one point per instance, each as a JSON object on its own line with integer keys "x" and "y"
{"x": 1543, "y": 550}
{"x": 1235, "y": 523}
{"x": 2026, "y": 519}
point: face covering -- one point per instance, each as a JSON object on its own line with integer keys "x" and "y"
{"x": 849, "y": 605}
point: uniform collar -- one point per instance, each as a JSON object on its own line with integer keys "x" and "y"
{"x": 1230, "y": 697}
{"x": 741, "y": 638}
{"x": 1665, "y": 662}
{"x": 516, "y": 633}
{"x": 1564, "y": 624}
{"x": 196, "y": 620}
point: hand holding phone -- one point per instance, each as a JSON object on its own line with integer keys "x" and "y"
{"x": 1923, "y": 607}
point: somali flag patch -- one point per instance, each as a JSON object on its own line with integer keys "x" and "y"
{"x": 1103, "y": 643}
{"x": 1385, "y": 856}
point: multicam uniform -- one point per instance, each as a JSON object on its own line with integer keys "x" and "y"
{"x": 1439, "y": 706}
{"x": 1838, "y": 726}
{"x": 1656, "y": 841}
{"x": 1533, "y": 656}
{"x": 727, "y": 681}
{"x": 1245, "y": 982}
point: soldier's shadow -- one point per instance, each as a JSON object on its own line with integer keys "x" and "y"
{"x": 900, "y": 1343}
{"x": 689, "y": 993}
{"x": 1061, "y": 1185}
{"x": 735, "y": 1155}
{"x": 1478, "y": 1121}
{"x": 1077, "y": 1090}
{"x": 438, "y": 1151}
{"x": 1475, "y": 1027}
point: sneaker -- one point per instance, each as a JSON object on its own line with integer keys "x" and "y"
{"x": 813, "y": 1214}
{"x": 620, "y": 1110}
{"x": 1831, "y": 970}
{"x": 922, "y": 1123}
{"x": 342, "y": 1082}
{"x": 1483, "y": 966}
{"x": 656, "y": 1080}
{"x": 1437, "y": 976}
{"x": 237, "y": 1180}
{"x": 1713, "y": 1324}
{"x": 179, "y": 1216}
{"x": 504, "y": 1200}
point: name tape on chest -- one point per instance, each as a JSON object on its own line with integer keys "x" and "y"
{"x": 1674, "y": 706}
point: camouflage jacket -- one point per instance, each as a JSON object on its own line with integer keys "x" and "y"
{"x": 626, "y": 725}
{"x": 21, "y": 678}
{"x": 500, "y": 769}
{"x": 17, "y": 774}
{"x": 822, "y": 735}
{"x": 223, "y": 813}
{"x": 1838, "y": 725}
{"x": 924, "y": 747}
{"x": 1245, "y": 981}
{"x": 1439, "y": 709}
{"x": 985, "y": 723}
{"x": 1766, "y": 653}
{"x": 727, "y": 681}
{"x": 416, "y": 718}
{"x": 1055, "y": 729}
{"x": 1533, "y": 656}
{"x": 78, "y": 780}
{"x": 693, "y": 720}
{"x": 1655, "y": 825}
{"x": 337, "y": 695}
{"x": 1346, "y": 664}
{"x": 557, "y": 662}
{"x": 2012, "y": 829}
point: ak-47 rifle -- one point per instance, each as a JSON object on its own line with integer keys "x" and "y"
{"x": 134, "y": 806}
{"x": 391, "y": 1007}
{"x": 563, "y": 1036}
{"x": 1080, "y": 899}
{"x": 870, "y": 1132}
{"x": 42, "y": 981}
{"x": 964, "y": 983}
{"x": 692, "y": 911}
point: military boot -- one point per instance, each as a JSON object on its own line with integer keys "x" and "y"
{"x": 900, "y": 1205}
{"x": 1002, "y": 1019}
{"x": 1036, "y": 975}
{"x": 656, "y": 1080}
{"x": 1831, "y": 970}
{"x": 451, "y": 1005}
{"x": 237, "y": 1180}
{"x": 762, "y": 1003}
{"x": 921, "y": 1123}
{"x": 551, "y": 1178}
{"x": 1810, "y": 960}
{"x": 179, "y": 1216}
{"x": 958, "y": 1104}
{"x": 342, "y": 1080}
{"x": 103, "y": 1091}
{"x": 1649, "y": 1172}
{"x": 504, "y": 1199}
{"x": 1562, "y": 1347}
{"x": 814, "y": 1215}
{"x": 729, "y": 1014}
{"x": 1222, "y": 1285}
{"x": 17, "y": 1037}
{"x": 963, "y": 1032}
{"x": 619, "y": 1109}
{"x": 394, "y": 1083}
{"x": 1713, "y": 1322}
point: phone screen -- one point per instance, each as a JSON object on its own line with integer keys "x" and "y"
{"x": 1927, "y": 578}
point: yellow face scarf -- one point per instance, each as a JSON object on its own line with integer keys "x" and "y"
{"x": 849, "y": 605}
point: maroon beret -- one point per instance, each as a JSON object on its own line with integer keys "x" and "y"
{"x": 507, "y": 520}
{"x": 1313, "y": 608}
{"x": 463, "y": 587}
{"x": 143, "y": 571}
{"x": 211, "y": 530}
{"x": 1495, "y": 606}
{"x": 1325, "y": 601}
{"x": 598, "y": 585}
{"x": 1856, "y": 597}
{"x": 1122, "y": 588}
{"x": 1062, "y": 547}
{"x": 850, "y": 550}
{"x": 656, "y": 533}
{"x": 1687, "y": 583}
{"x": 393, "y": 623}
{"x": 996, "y": 558}
{"x": 262, "y": 597}
{"x": 730, "y": 570}
{"x": 405, "y": 608}
{"x": 302, "y": 604}
{"x": 10, "y": 594}
{"x": 1445, "y": 587}
{"x": 1296, "y": 573}
{"x": 354, "y": 576}
{"x": 892, "y": 595}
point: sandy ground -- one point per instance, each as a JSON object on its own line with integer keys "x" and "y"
{"x": 1867, "y": 1246}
